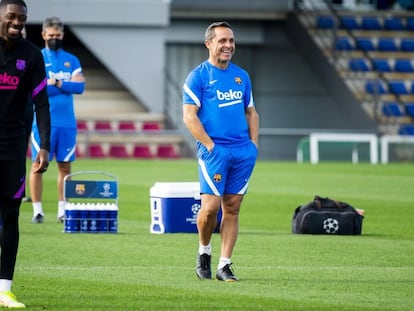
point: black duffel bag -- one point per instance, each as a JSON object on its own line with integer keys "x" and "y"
{"x": 326, "y": 216}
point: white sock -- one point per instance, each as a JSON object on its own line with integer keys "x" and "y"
{"x": 204, "y": 249}
{"x": 61, "y": 208}
{"x": 223, "y": 261}
{"x": 5, "y": 285}
{"x": 37, "y": 208}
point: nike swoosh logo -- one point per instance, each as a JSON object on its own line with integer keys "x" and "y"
{"x": 48, "y": 64}
{"x": 212, "y": 82}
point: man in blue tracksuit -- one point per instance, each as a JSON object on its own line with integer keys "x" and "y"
{"x": 64, "y": 78}
{"x": 219, "y": 111}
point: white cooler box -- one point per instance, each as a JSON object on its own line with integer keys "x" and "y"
{"x": 174, "y": 207}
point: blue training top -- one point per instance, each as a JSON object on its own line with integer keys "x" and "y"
{"x": 62, "y": 65}
{"x": 222, "y": 96}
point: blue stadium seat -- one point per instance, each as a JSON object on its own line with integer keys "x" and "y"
{"x": 365, "y": 44}
{"x": 359, "y": 64}
{"x": 403, "y": 65}
{"x": 371, "y": 23}
{"x": 376, "y": 87}
{"x": 325, "y": 22}
{"x": 394, "y": 23}
{"x": 382, "y": 65}
{"x": 406, "y": 129}
{"x": 409, "y": 109}
{"x": 410, "y": 23}
{"x": 407, "y": 44}
{"x": 349, "y": 22}
{"x": 344, "y": 44}
{"x": 392, "y": 109}
{"x": 399, "y": 87}
{"x": 387, "y": 45}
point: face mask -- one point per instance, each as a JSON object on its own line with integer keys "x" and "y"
{"x": 54, "y": 44}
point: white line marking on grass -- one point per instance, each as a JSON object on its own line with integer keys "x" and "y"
{"x": 129, "y": 268}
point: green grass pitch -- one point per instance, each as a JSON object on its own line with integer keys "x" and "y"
{"x": 137, "y": 270}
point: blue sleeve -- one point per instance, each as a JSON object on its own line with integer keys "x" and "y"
{"x": 192, "y": 89}
{"x": 72, "y": 87}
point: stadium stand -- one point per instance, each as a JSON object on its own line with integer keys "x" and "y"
{"x": 113, "y": 124}
{"x": 373, "y": 52}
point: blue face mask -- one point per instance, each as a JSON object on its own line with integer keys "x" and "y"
{"x": 55, "y": 44}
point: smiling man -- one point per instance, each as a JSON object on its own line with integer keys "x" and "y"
{"x": 22, "y": 77}
{"x": 219, "y": 111}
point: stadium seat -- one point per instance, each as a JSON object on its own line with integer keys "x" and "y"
{"x": 118, "y": 151}
{"x": 151, "y": 126}
{"x": 376, "y": 87}
{"x": 78, "y": 153}
{"x": 409, "y": 109}
{"x": 359, "y": 64}
{"x": 142, "y": 152}
{"x": 366, "y": 44}
{"x": 325, "y": 22}
{"x": 349, "y": 22}
{"x": 167, "y": 152}
{"x": 404, "y": 65}
{"x": 128, "y": 126}
{"x": 387, "y": 45}
{"x": 382, "y": 64}
{"x": 406, "y": 129}
{"x": 392, "y": 109}
{"x": 394, "y": 23}
{"x": 95, "y": 151}
{"x": 102, "y": 125}
{"x": 82, "y": 125}
{"x": 371, "y": 23}
{"x": 410, "y": 23}
{"x": 344, "y": 44}
{"x": 399, "y": 87}
{"x": 407, "y": 44}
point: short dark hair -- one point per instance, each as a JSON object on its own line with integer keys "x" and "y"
{"x": 3, "y": 3}
{"x": 210, "y": 29}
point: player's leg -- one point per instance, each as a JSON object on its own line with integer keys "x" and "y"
{"x": 65, "y": 155}
{"x": 64, "y": 169}
{"x": 12, "y": 186}
{"x": 212, "y": 168}
{"x": 239, "y": 172}
{"x": 36, "y": 181}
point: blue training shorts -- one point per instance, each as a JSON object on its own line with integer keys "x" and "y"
{"x": 62, "y": 144}
{"x": 226, "y": 169}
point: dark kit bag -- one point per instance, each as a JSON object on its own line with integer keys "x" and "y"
{"x": 326, "y": 216}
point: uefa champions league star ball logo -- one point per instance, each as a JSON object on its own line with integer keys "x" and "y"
{"x": 195, "y": 208}
{"x": 331, "y": 225}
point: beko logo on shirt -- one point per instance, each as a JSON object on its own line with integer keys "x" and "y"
{"x": 229, "y": 95}
{"x": 8, "y": 80}
{"x": 61, "y": 75}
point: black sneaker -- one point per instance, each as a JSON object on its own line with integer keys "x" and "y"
{"x": 203, "y": 266}
{"x": 226, "y": 274}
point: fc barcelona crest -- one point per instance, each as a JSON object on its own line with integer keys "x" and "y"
{"x": 217, "y": 177}
{"x": 80, "y": 189}
{"x": 20, "y": 64}
{"x": 238, "y": 80}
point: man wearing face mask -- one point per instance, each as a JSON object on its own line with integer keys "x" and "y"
{"x": 64, "y": 79}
